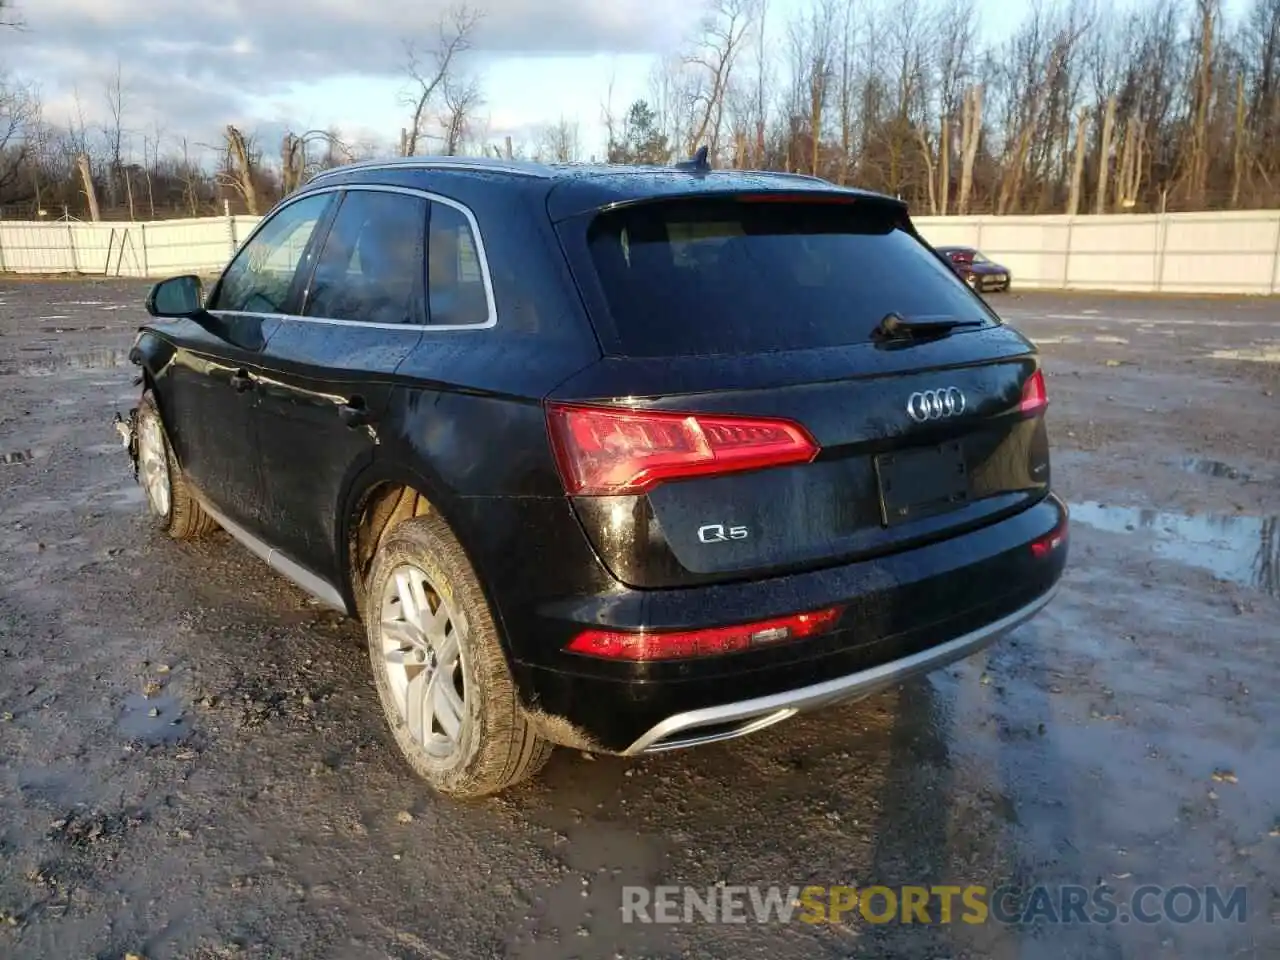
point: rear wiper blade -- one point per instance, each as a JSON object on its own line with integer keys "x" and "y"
{"x": 894, "y": 325}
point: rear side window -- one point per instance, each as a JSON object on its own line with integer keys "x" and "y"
{"x": 373, "y": 265}
{"x": 731, "y": 277}
{"x": 456, "y": 290}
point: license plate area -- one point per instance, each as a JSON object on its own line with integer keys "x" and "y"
{"x": 921, "y": 483}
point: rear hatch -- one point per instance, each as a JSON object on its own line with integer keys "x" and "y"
{"x": 751, "y": 416}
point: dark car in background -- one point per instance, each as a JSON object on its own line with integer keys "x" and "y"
{"x": 976, "y": 270}
{"x": 626, "y": 460}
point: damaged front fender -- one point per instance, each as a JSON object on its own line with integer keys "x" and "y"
{"x": 127, "y": 428}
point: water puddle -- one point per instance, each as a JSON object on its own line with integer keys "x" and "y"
{"x": 102, "y": 448}
{"x": 1241, "y": 549}
{"x": 1212, "y": 468}
{"x": 124, "y": 498}
{"x": 153, "y": 720}
{"x": 1255, "y": 355}
{"x": 106, "y": 358}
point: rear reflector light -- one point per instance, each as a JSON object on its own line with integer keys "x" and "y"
{"x": 606, "y": 450}
{"x": 1050, "y": 542}
{"x": 1034, "y": 398}
{"x": 684, "y": 644}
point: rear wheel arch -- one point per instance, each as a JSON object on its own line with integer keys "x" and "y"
{"x": 378, "y": 500}
{"x": 371, "y": 510}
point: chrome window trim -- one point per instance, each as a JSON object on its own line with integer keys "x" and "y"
{"x": 481, "y": 254}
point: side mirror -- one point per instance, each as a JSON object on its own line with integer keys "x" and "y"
{"x": 176, "y": 297}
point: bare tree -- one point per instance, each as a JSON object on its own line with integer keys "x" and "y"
{"x": 813, "y": 68}
{"x": 1195, "y": 157}
{"x": 711, "y": 62}
{"x": 759, "y": 104}
{"x": 90, "y": 193}
{"x": 560, "y": 142}
{"x": 297, "y": 162}
{"x": 430, "y": 73}
{"x": 113, "y": 132}
{"x": 462, "y": 95}
{"x": 19, "y": 111}
{"x": 189, "y": 174}
{"x": 1129, "y": 173}
{"x": 240, "y": 164}
{"x": 1104, "y": 156}
{"x": 970, "y": 134}
{"x": 1077, "y": 168}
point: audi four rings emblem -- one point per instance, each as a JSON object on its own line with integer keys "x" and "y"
{"x": 925, "y": 405}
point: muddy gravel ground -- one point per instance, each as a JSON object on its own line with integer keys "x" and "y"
{"x": 193, "y": 763}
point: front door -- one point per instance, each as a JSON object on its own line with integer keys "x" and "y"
{"x": 208, "y": 392}
{"x": 330, "y": 370}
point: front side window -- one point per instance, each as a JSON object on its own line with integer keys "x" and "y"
{"x": 260, "y": 276}
{"x": 373, "y": 265}
{"x": 457, "y": 293}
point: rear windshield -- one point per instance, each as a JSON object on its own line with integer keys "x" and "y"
{"x": 729, "y": 276}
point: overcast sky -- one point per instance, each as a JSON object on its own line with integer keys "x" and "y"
{"x": 192, "y": 67}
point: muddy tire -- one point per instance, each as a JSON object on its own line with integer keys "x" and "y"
{"x": 169, "y": 496}
{"x": 439, "y": 668}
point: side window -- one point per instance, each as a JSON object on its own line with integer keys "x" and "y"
{"x": 373, "y": 264}
{"x": 456, "y": 290}
{"x": 261, "y": 274}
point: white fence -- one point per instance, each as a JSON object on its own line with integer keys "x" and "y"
{"x": 156, "y": 248}
{"x": 1237, "y": 252}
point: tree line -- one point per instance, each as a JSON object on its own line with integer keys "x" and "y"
{"x": 1071, "y": 107}
{"x": 1080, "y": 108}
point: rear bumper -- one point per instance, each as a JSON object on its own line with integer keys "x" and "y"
{"x": 995, "y": 280}
{"x": 906, "y": 613}
{"x": 726, "y": 721}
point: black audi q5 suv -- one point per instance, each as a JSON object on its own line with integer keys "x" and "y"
{"x": 623, "y": 459}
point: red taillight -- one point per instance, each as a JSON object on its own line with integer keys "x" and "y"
{"x": 1034, "y": 398}
{"x": 1050, "y": 542}
{"x": 683, "y": 644}
{"x": 606, "y": 450}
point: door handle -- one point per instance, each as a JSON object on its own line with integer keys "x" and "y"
{"x": 241, "y": 381}
{"x": 354, "y": 413}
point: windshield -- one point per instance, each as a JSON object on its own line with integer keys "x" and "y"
{"x": 724, "y": 276}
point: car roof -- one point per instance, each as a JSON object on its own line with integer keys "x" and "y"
{"x": 573, "y": 188}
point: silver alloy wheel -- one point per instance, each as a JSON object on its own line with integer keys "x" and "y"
{"x": 423, "y": 660}
{"x": 153, "y": 462}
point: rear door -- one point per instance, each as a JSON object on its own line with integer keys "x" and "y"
{"x": 331, "y": 368}
{"x": 749, "y": 418}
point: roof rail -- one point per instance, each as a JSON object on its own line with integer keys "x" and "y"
{"x": 437, "y": 163}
